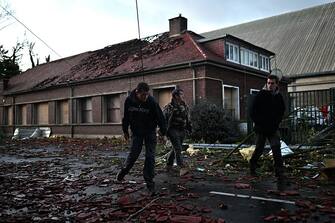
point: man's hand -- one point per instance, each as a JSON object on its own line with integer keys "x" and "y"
{"x": 126, "y": 136}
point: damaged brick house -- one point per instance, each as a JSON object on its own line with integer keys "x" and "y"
{"x": 83, "y": 95}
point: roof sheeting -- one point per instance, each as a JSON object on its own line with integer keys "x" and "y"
{"x": 303, "y": 40}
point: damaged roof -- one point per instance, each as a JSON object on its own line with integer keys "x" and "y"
{"x": 157, "y": 52}
{"x": 303, "y": 40}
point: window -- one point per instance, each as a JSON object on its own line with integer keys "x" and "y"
{"x": 264, "y": 63}
{"x": 42, "y": 113}
{"x": 163, "y": 95}
{"x": 22, "y": 115}
{"x": 85, "y": 110}
{"x": 113, "y": 105}
{"x": 231, "y": 101}
{"x": 232, "y": 53}
{"x": 9, "y": 115}
{"x": 249, "y": 58}
{"x": 63, "y": 112}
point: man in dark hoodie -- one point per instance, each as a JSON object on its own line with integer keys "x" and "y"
{"x": 267, "y": 112}
{"x": 142, "y": 113}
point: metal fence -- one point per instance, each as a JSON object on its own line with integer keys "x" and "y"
{"x": 308, "y": 113}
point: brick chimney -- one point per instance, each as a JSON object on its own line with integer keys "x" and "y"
{"x": 177, "y": 25}
{"x": 3, "y": 84}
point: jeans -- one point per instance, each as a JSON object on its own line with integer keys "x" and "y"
{"x": 150, "y": 142}
{"x": 274, "y": 141}
{"x": 176, "y": 137}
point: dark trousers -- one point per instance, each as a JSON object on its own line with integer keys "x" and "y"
{"x": 150, "y": 142}
{"x": 274, "y": 141}
{"x": 176, "y": 137}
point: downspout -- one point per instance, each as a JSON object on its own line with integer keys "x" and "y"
{"x": 72, "y": 111}
{"x": 14, "y": 114}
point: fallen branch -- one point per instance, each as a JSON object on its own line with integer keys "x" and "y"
{"x": 145, "y": 207}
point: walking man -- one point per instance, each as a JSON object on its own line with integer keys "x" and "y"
{"x": 267, "y": 112}
{"x": 177, "y": 116}
{"x": 142, "y": 113}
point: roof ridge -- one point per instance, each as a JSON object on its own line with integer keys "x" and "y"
{"x": 197, "y": 46}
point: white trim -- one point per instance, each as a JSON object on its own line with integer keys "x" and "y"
{"x": 253, "y": 90}
{"x": 163, "y": 86}
{"x": 237, "y": 113}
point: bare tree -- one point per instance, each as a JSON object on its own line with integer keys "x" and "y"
{"x": 5, "y": 13}
{"x": 32, "y": 55}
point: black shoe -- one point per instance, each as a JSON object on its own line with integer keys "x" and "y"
{"x": 253, "y": 172}
{"x": 152, "y": 191}
{"x": 151, "y": 188}
{"x": 120, "y": 175}
{"x": 168, "y": 168}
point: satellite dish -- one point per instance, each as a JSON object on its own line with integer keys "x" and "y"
{"x": 278, "y": 73}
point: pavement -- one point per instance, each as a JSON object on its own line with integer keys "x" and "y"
{"x": 73, "y": 180}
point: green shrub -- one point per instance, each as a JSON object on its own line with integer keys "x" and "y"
{"x": 211, "y": 124}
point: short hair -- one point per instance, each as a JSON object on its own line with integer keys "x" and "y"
{"x": 177, "y": 92}
{"x": 142, "y": 87}
{"x": 273, "y": 77}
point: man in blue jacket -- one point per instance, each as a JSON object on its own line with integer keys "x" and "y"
{"x": 267, "y": 112}
{"x": 142, "y": 113}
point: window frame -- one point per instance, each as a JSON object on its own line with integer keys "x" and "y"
{"x": 232, "y": 50}
{"x": 108, "y": 111}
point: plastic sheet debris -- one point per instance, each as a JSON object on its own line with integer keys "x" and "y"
{"x": 28, "y": 133}
{"x": 285, "y": 149}
{"x": 191, "y": 151}
{"x": 247, "y": 152}
{"x": 200, "y": 169}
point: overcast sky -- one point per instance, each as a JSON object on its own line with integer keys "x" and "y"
{"x": 70, "y": 27}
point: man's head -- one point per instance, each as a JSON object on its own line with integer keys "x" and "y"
{"x": 272, "y": 82}
{"x": 178, "y": 95}
{"x": 142, "y": 91}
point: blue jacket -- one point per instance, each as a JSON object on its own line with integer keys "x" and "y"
{"x": 142, "y": 117}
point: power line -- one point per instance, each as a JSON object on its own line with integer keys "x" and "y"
{"x": 47, "y": 45}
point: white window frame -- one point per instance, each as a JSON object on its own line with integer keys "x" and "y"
{"x": 234, "y": 51}
{"x": 264, "y": 63}
{"x": 237, "y": 112}
{"x": 249, "y": 57}
{"x": 252, "y": 90}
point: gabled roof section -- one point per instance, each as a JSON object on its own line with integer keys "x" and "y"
{"x": 303, "y": 40}
{"x": 124, "y": 58}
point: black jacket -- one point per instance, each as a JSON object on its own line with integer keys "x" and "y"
{"x": 267, "y": 111}
{"x": 142, "y": 117}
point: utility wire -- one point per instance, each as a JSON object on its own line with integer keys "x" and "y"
{"x": 30, "y": 31}
{"x": 139, "y": 37}
{"x": 1, "y": 28}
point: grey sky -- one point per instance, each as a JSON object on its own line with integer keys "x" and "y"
{"x": 75, "y": 26}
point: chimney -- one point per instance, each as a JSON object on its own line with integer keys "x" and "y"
{"x": 3, "y": 84}
{"x": 177, "y": 25}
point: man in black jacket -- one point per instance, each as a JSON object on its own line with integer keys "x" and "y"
{"x": 267, "y": 112}
{"x": 142, "y": 113}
